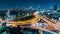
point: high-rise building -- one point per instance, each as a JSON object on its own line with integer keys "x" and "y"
{"x": 55, "y": 7}
{"x": 38, "y": 8}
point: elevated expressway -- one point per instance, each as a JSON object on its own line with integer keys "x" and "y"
{"x": 50, "y": 24}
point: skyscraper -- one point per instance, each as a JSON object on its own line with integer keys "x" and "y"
{"x": 55, "y": 7}
{"x": 38, "y": 8}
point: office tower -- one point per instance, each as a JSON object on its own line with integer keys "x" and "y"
{"x": 55, "y": 7}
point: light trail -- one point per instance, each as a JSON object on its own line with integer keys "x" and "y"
{"x": 55, "y": 26}
{"x": 50, "y": 23}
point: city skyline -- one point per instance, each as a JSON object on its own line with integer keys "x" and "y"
{"x": 27, "y": 3}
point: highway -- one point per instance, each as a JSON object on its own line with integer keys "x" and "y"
{"x": 39, "y": 28}
{"x": 14, "y": 23}
{"x": 55, "y": 26}
{"x": 50, "y": 24}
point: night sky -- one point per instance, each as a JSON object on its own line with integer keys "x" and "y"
{"x": 27, "y": 3}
